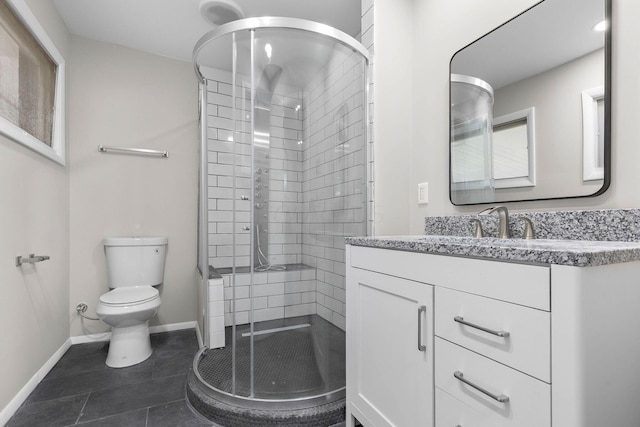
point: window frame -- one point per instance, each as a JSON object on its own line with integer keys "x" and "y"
{"x": 56, "y": 151}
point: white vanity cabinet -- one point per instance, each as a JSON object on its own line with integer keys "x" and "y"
{"x": 513, "y": 344}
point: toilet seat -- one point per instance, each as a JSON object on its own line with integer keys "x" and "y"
{"x": 129, "y": 296}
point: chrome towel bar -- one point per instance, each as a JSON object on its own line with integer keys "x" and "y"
{"x": 103, "y": 149}
{"x": 30, "y": 259}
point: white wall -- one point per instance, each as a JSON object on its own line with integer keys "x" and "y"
{"x": 125, "y": 98}
{"x": 392, "y": 126}
{"x": 439, "y": 29}
{"x": 34, "y": 217}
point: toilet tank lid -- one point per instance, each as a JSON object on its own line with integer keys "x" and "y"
{"x": 135, "y": 241}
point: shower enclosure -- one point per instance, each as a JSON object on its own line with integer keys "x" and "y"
{"x": 471, "y": 140}
{"x": 285, "y": 177}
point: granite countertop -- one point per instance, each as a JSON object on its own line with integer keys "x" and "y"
{"x": 577, "y": 253}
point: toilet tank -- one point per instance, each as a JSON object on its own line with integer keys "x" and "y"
{"x": 135, "y": 261}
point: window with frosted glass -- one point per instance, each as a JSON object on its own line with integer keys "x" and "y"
{"x": 27, "y": 79}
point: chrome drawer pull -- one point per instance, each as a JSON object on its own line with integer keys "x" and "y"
{"x": 421, "y": 309}
{"x": 500, "y": 398}
{"x": 502, "y": 334}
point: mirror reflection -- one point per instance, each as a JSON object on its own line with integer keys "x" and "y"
{"x": 528, "y": 114}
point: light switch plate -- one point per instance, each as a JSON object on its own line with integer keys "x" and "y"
{"x": 423, "y": 193}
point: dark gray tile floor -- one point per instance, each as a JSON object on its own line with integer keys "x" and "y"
{"x": 307, "y": 361}
{"x": 82, "y": 390}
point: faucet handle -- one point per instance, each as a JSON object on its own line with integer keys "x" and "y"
{"x": 477, "y": 230}
{"x": 528, "y": 229}
{"x": 503, "y": 224}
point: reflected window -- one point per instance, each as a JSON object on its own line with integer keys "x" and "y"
{"x": 593, "y": 112}
{"x": 513, "y": 150}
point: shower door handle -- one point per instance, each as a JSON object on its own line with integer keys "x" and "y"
{"x": 421, "y": 309}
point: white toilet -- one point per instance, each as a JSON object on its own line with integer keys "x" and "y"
{"x": 134, "y": 266}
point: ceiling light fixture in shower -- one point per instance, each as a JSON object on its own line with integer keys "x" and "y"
{"x": 600, "y": 26}
{"x": 219, "y": 12}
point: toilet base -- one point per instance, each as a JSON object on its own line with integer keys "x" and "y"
{"x": 129, "y": 345}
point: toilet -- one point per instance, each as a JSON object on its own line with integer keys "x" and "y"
{"x": 134, "y": 266}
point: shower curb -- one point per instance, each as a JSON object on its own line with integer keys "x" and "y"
{"x": 225, "y": 414}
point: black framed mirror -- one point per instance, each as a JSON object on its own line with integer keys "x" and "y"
{"x": 530, "y": 107}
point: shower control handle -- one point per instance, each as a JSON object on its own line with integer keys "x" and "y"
{"x": 244, "y": 197}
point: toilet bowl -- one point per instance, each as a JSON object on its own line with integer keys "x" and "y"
{"x": 128, "y": 311}
{"x": 134, "y": 266}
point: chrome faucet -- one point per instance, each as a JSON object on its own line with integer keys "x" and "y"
{"x": 503, "y": 216}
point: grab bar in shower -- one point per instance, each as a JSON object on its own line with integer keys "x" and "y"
{"x": 103, "y": 149}
{"x": 30, "y": 259}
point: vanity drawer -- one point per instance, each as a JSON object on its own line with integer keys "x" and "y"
{"x": 451, "y": 412}
{"x": 527, "y": 347}
{"x": 523, "y": 284}
{"x": 529, "y": 400}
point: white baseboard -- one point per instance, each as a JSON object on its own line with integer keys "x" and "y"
{"x": 83, "y": 339}
{"x": 11, "y": 408}
{"x": 106, "y": 336}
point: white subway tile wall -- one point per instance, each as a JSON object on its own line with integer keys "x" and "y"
{"x": 317, "y": 192}
{"x": 276, "y": 295}
{"x": 334, "y": 178}
{"x": 230, "y": 150}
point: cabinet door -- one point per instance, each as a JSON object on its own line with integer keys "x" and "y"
{"x": 389, "y": 350}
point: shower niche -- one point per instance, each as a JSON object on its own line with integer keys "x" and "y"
{"x": 285, "y": 178}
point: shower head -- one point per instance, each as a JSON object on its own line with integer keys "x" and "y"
{"x": 270, "y": 75}
{"x": 219, "y": 12}
{"x": 267, "y": 85}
